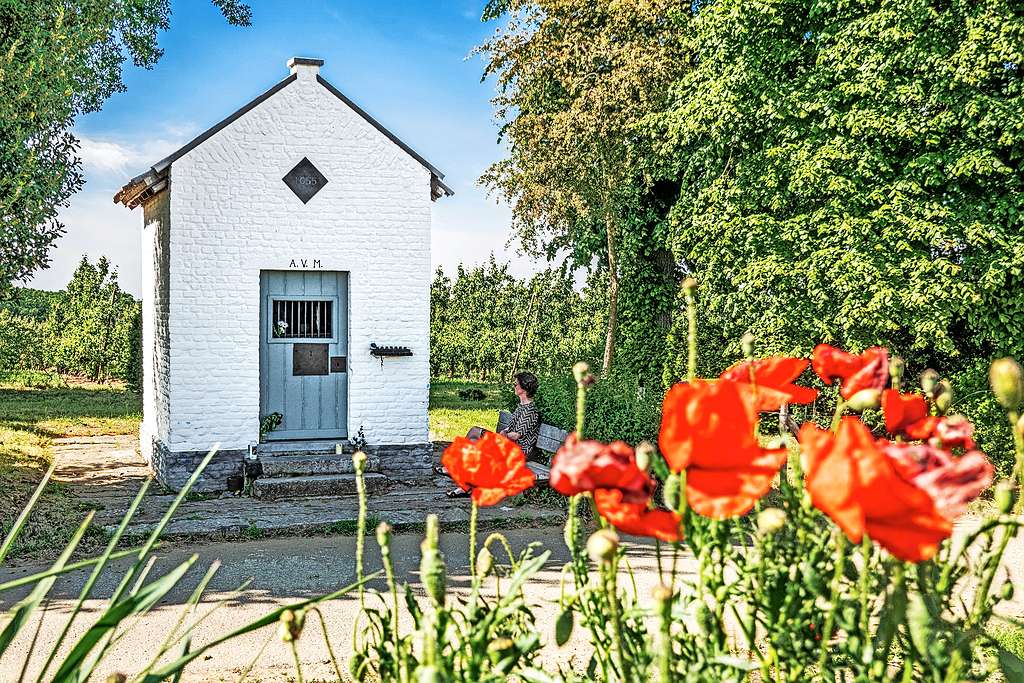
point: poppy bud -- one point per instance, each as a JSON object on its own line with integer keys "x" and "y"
{"x": 428, "y": 674}
{"x": 1007, "y": 592}
{"x": 432, "y": 568}
{"x": 929, "y": 378}
{"x": 1004, "y": 496}
{"x": 943, "y": 398}
{"x": 689, "y": 286}
{"x": 670, "y": 492}
{"x": 662, "y": 594}
{"x": 864, "y": 399}
{"x": 290, "y": 625}
{"x": 770, "y": 521}
{"x": 117, "y": 678}
{"x": 484, "y": 562}
{"x": 580, "y": 371}
{"x": 1007, "y": 380}
{"x": 896, "y": 368}
{"x": 747, "y": 344}
{"x": 499, "y": 648}
{"x": 359, "y": 462}
{"x": 602, "y": 545}
{"x": 383, "y": 534}
{"x": 644, "y": 454}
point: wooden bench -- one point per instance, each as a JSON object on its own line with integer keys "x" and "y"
{"x": 549, "y": 439}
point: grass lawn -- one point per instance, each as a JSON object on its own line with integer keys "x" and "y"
{"x": 35, "y": 409}
{"x": 452, "y": 414}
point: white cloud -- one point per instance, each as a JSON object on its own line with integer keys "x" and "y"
{"x": 108, "y": 157}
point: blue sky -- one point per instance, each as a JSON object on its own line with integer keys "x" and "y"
{"x": 406, "y": 63}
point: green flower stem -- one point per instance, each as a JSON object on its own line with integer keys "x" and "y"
{"x": 1018, "y": 469}
{"x": 610, "y": 571}
{"x": 665, "y": 651}
{"x": 360, "y": 532}
{"x": 865, "y": 576}
{"x": 327, "y": 642}
{"x": 691, "y": 336}
{"x": 840, "y": 409}
{"x": 298, "y": 663}
{"x": 473, "y": 510}
{"x": 389, "y": 572}
{"x": 837, "y": 576}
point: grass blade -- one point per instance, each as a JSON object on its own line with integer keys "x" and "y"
{"x": 24, "y": 609}
{"x": 145, "y": 598}
{"x": 91, "y": 581}
{"x": 172, "y": 668}
{"x": 12, "y": 535}
{"x": 66, "y": 569}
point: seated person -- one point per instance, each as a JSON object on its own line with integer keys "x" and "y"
{"x": 524, "y": 426}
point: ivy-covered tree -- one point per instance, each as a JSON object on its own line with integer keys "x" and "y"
{"x": 574, "y": 78}
{"x": 851, "y": 173}
{"x": 60, "y": 59}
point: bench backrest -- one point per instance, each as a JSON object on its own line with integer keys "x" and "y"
{"x": 549, "y": 438}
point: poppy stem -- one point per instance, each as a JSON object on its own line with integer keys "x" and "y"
{"x": 472, "y": 540}
{"x": 826, "y": 633}
{"x": 610, "y": 570}
{"x": 691, "y": 335}
{"x": 840, "y": 409}
{"x": 865, "y": 577}
{"x": 1018, "y": 470}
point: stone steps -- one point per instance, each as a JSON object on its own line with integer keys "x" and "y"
{"x": 317, "y": 485}
{"x": 309, "y": 447}
{"x": 311, "y": 464}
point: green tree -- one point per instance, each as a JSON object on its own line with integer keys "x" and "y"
{"x": 851, "y": 174}
{"x": 60, "y": 59}
{"x": 574, "y": 78}
{"x": 95, "y": 331}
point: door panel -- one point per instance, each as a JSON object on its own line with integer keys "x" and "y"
{"x": 303, "y": 324}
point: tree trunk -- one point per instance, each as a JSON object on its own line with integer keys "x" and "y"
{"x": 522, "y": 334}
{"x": 613, "y": 296}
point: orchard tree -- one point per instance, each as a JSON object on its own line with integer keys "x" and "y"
{"x": 95, "y": 329}
{"x": 60, "y": 59}
{"x": 574, "y": 78}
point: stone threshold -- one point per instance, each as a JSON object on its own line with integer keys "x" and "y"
{"x": 404, "y": 505}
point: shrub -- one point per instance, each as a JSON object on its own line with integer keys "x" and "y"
{"x": 618, "y": 407}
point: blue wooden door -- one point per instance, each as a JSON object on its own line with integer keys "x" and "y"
{"x": 304, "y": 353}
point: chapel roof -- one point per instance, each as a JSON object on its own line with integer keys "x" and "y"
{"x": 154, "y": 179}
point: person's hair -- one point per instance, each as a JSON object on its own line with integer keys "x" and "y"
{"x": 528, "y": 381}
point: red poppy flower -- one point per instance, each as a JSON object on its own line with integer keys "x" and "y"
{"x": 852, "y": 481}
{"x": 636, "y": 518}
{"x": 587, "y": 465}
{"x": 952, "y": 482}
{"x": 907, "y": 415}
{"x": 770, "y": 381}
{"x": 493, "y": 466}
{"x": 707, "y": 429}
{"x": 869, "y": 370}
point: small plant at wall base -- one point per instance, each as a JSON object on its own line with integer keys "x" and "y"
{"x": 358, "y": 442}
{"x": 269, "y": 423}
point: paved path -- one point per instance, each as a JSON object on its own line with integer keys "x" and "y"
{"x": 107, "y": 471}
{"x": 284, "y": 570}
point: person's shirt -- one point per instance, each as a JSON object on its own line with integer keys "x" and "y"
{"x": 526, "y": 423}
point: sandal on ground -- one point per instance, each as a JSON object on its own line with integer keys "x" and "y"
{"x": 458, "y": 493}
{"x": 439, "y": 469}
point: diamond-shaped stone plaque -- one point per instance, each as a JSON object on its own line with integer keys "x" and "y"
{"x": 304, "y": 180}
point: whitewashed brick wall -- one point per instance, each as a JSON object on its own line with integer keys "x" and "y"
{"x": 232, "y": 216}
{"x": 156, "y": 306}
